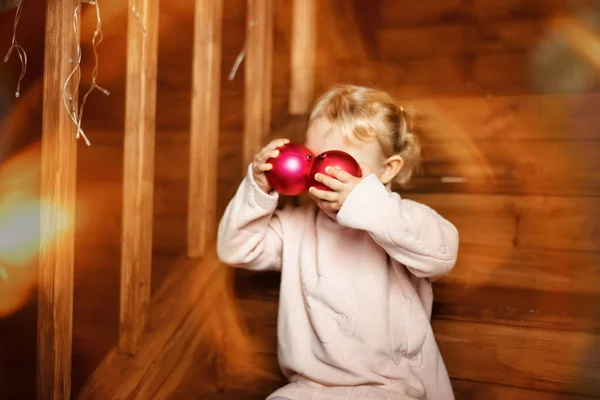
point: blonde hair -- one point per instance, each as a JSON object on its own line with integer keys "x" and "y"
{"x": 362, "y": 114}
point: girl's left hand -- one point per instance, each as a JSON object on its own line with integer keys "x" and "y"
{"x": 341, "y": 184}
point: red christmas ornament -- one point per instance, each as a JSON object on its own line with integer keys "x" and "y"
{"x": 289, "y": 175}
{"x": 333, "y": 158}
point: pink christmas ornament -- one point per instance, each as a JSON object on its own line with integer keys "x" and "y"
{"x": 289, "y": 175}
{"x": 333, "y": 158}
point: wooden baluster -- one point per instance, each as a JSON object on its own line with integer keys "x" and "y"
{"x": 138, "y": 177}
{"x": 303, "y": 56}
{"x": 268, "y": 68}
{"x": 258, "y": 80}
{"x": 57, "y": 192}
{"x": 204, "y": 140}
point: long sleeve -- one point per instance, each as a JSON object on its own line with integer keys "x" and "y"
{"x": 411, "y": 233}
{"x": 250, "y": 234}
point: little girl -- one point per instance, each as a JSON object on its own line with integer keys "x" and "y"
{"x": 356, "y": 270}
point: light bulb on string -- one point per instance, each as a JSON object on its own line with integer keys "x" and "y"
{"x": 70, "y": 99}
{"x": 96, "y": 40}
{"x": 20, "y": 50}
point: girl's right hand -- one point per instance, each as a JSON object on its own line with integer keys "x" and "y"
{"x": 260, "y": 165}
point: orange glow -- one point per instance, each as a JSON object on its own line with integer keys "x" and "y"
{"x": 20, "y": 228}
{"x": 585, "y": 41}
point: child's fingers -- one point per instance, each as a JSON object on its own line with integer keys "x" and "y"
{"x": 270, "y": 154}
{"x": 330, "y": 182}
{"x": 263, "y": 167}
{"x": 270, "y": 151}
{"x": 339, "y": 174}
{"x": 277, "y": 143}
{"x": 326, "y": 205}
{"x": 266, "y": 154}
{"x": 323, "y": 194}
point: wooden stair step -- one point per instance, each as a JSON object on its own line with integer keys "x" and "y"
{"x": 168, "y": 347}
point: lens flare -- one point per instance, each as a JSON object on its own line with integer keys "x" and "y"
{"x": 20, "y": 238}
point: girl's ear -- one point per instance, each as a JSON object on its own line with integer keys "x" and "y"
{"x": 390, "y": 169}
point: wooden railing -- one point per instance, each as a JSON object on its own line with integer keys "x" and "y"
{"x": 59, "y": 154}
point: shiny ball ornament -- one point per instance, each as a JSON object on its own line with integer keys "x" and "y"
{"x": 289, "y": 175}
{"x": 333, "y": 158}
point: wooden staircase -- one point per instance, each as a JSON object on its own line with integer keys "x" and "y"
{"x": 197, "y": 346}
